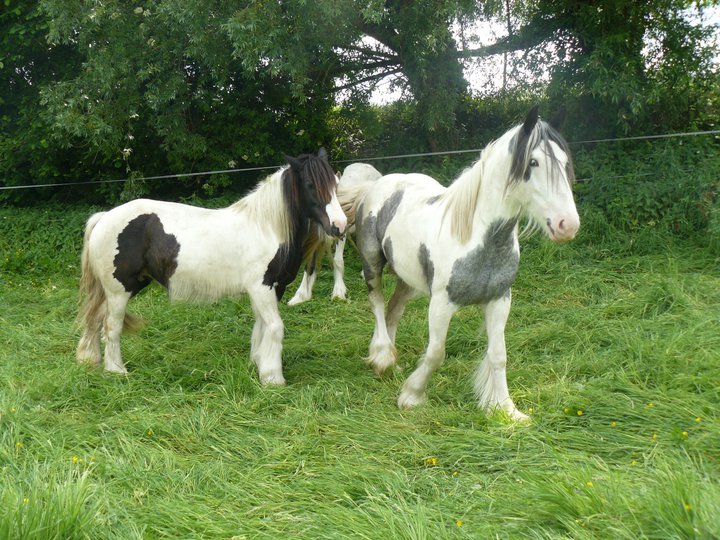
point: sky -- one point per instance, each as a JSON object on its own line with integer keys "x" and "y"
{"x": 485, "y": 75}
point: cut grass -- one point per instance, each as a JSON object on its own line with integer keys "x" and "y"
{"x": 612, "y": 344}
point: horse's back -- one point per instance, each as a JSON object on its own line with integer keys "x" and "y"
{"x": 359, "y": 173}
{"x": 413, "y": 189}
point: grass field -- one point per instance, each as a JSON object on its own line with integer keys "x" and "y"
{"x": 613, "y": 347}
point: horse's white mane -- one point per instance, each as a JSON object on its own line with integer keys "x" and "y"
{"x": 265, "y": 204}
{"x": 461, "y": 198}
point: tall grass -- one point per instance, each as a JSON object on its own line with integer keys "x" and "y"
{"x": 613, "y": 349}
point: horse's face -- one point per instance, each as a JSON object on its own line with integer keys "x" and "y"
{"x": 317, "y": 188}
{"x": 544, "y": 188}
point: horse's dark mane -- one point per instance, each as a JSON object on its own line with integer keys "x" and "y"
{"x": 521, "y": 148}
{"x": 318, "y": 171}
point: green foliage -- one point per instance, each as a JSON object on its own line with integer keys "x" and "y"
{"x": 670, "y": 183}
{"x": 46, "y": 504}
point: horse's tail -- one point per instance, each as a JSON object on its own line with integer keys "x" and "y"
{"x": 93, "y": 301}
{"x": 351, "y": 196}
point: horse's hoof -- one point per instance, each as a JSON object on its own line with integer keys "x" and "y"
{"x": 340, "y": 293}
{"x": 295, "y": 300}
{"x": 115, "y": 370}
{"x": 408, "y": 400}
{"x": 273, "y": 380}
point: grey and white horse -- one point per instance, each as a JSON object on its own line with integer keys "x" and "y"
{"x": 459, "y": 245}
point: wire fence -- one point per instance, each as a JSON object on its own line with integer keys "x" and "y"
{"x": 362, "y": 159}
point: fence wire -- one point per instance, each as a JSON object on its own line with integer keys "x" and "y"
{"x": 363, "y": 160}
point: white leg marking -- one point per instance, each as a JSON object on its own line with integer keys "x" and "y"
{"x": 382, "y": 353}
{"x": 304, "y": 292}
{"x": 413, "y": 391}
{"x": 339, "y": 288}
{"x": 268, "y": 351}
{"x": 116, "y": 303}
{"x": 491, "y": 379}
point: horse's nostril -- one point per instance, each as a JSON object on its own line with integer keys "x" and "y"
{"x": 561, "y": 224}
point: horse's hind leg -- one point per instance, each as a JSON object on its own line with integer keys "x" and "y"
{"x": 114, "y": 321}
{"x": 396, "y": 306}
{"x": 491, "y": 379}
{"x": 339, "y": 288}
{"x": 413, "y": 391}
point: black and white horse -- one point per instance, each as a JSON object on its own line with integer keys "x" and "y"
{"x": 460, "y": 246}
{"x": 353, "y": 175}
{"x": 254, "y": 246}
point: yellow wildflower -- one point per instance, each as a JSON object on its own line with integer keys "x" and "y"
{"x": 431, "y": 461}
{"x": 613, "y": 424}
{"x": 150, "y": 433}
{"x": 698, "y": 419}
{"x": 19, "y": 444}
{"x": 687, "y": 507}
{"x": 75, "y": 459}
{"x": 589, "y": 483}
{"x": 459, "y": 523}
{"x": 685, "y": 434}
{"x": 579, "y": 413}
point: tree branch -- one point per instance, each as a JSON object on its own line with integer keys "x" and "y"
{"x": 374, "y": 77}
{"x": 528, "y": 36}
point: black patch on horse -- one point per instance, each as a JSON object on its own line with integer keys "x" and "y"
{"x": 145, "y": 252}
{"x": 283, "y": 268}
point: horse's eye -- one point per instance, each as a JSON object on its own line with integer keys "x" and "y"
{"x": 533, "y": 162}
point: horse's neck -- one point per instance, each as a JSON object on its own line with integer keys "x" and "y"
{"x": 485, "y": 185}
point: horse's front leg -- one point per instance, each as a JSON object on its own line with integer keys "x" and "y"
{"x": 266, "y": 340}
{"x": 339, "y": 288}
{"x": 491, "y": 379}
{"x": 440, "y": 313}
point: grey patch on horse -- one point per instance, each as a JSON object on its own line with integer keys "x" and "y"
{"x": 388, "y": 251}
{"x": 387, "y": 213}
{"x": 145, "y": 252}
{"x": 426, "y": 264}
{"x": 433, "y": 200}
{"x": 370, "y": 232}
{"x": 365, "y": 230}
{"x": 488, "y": 271}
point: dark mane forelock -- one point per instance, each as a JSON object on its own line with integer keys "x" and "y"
{"x": 521, "y": 148}
{"x": 322, "y": 176}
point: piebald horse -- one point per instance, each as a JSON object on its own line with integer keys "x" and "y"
{"x": 459, "y": 245}
{"x": 254, "y": 246}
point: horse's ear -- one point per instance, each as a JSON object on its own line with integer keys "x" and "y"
{"x": 531, "y": 119}
{"x": 558, "y": 119}
{"x": 322, "y": 154}
{"x": 295, "y": 163}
